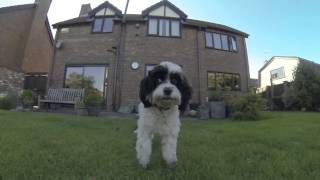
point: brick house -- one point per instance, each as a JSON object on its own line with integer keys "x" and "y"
{"x": 113, "y": 52}
{"x": 26, "y": 44}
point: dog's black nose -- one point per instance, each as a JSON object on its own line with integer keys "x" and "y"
{"x": 167, "y": 91}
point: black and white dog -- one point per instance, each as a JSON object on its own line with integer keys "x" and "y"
{"x": 165, "y": 93}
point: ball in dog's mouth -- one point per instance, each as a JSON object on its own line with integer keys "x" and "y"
{"x": 166, "y": 102}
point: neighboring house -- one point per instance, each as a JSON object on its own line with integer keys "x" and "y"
{"x": 26, "y": 45}
{"x": 279, "y": 69}
{"x": 111, "y": 52}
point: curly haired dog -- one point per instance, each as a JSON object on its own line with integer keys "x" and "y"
{"x": 165, "y": 94}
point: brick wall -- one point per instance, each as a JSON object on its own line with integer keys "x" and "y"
{"x": 82, "y": 47}
{"x": 14, "y": 31}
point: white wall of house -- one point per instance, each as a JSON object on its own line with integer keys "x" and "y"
{"x": 289, "y": 65}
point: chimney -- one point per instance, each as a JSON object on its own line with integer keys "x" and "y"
{"x": 85, "y": 9}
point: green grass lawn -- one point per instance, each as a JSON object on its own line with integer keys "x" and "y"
{"x": 282, "y": 145}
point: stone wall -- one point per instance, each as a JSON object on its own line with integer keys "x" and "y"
{"x": 10, "y": 81}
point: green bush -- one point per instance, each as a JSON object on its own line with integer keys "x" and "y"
{"x": 247, "y": 107}
{"x": 93, "y": 98}
{"x": 8, "y": 101}
{"x": 306, "y": 86}
{"x": 27, "y": 97}
{"x": 215, "y": 96}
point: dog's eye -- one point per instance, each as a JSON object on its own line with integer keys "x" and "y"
{"x": 174, "y": 81}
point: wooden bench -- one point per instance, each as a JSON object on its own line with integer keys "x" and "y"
{"x": 62, "y": 96}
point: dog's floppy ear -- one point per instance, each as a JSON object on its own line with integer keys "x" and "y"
{"x": 145, "y": 90}
{"x": 186, "y": 94}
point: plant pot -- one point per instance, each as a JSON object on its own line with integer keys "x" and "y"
{"x": 204, "y": 111}
{"x": 217, "y": 109}
{"x": 94, "y": 110}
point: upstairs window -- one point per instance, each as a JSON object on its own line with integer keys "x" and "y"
{"x": 277, "y": 73}
{"x": 221, "y": 41}
{"x": 164, "y": 27}
{"x": 103, "y": 25}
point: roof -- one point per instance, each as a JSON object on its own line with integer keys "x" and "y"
{"x": 16, "y": 8}
{"x": 27, "y": 6}
{"x": 106, "y": 4}
{"x": 209, "y": 25}
{"x": 139, "y": 17}
{"x": 164, "y": 3}
{"x": 292, "y": 57}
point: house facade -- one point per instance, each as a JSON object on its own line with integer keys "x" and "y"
{"x": 279, "y": 69}
{"x": 112, "y": 52}
{"x": 26, "y": 44}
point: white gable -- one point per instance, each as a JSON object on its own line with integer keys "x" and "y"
{"x": 287, "y": 63}
{"x": 109, "y": 12}
{"x": 157, "y": 12}
{"x": 171, "y": 13}
{"x": 101, "y": 12}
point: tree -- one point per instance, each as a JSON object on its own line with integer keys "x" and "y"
{"x": 76, "y": 80}
{"x": 306, "y": 85}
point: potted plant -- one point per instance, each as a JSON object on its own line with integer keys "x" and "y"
{"x": 217, "y": 106}
{"x": 27, "y": 99}
{"x": 93, "y": 100}
{"x": 81, "y": 108}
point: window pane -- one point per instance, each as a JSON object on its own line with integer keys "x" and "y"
{"x": 224, "y": 39}
{"x": 94, "y": 77}
{"x": 209, "y": 42}
{"x": 217, "y": 40}
{"x": 219, "y": 81}
{"x": 108, "y": 24}
{"x": 175, "y": 28}
{"x": 211, "y": 80}
{"x": 228, "y": 82}
{"x": 236, "y": 82}
{"x": 164, "y": 27}
{"x": 233, "y": 44}
{"x": 277, "y": 73}
{"x": 148, "y": 69}
{"x": 153, "y": 26}
{"x": 97, "y": 25}
{"x": 74, "y": 77}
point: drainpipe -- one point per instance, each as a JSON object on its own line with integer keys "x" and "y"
{"x": 199, "y": 64}
{"x": 51, "y": 65}
{"x": 119, "y": 64}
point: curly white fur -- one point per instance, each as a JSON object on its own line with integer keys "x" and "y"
{"x": 166, "y": 124}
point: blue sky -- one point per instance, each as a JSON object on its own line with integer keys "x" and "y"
{"x": 276, "y": 27}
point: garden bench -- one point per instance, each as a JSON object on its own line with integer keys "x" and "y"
{"x": 62, "y": 96}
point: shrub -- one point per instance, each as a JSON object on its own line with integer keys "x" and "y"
{"x": 27, "y": 97}
{"x": 289, "y": 99}
{"x": 8, "y": 101}
{"x": 93, "y": 98}
{"x": 247, "y": 107}
{"x": 306, "y": 86}
{"x": 215, "y": 96}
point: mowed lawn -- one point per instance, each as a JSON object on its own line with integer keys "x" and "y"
{"x": 282, "y": 145}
